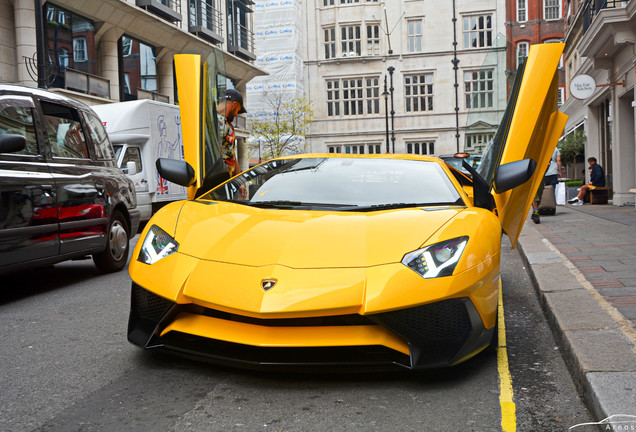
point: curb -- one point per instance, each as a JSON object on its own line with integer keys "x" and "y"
{"x": 597, "y": 342}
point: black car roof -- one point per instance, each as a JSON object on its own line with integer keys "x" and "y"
{"x": 42, "y": 94}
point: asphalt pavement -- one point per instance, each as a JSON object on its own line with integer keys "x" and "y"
{"x": 583, "y": 265}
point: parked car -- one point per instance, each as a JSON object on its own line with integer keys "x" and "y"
{"x": 329, "y": 260}
{"x": 61, "y": 194}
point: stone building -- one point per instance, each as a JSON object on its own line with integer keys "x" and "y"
{"x": 351, "y": 45}
{"x": 601, "y": 43}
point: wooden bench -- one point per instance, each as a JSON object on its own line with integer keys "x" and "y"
{"x": 598, "y": 195}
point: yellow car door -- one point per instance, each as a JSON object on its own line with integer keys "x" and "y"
{"x": 201, "y": 87}
{"x": 530, "y": 129}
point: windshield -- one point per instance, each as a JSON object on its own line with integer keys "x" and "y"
{"x": 341, "y": 184}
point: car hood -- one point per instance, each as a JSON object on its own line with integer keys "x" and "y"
{"x": 239, "y": 234}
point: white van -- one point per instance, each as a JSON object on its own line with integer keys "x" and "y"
{"x": 142, "y": 131}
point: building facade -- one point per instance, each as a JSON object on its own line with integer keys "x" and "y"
{"x": 601, "y": 43}
{"x": 116, "y": 50}
{"x": 367, "y": 58}
{"x": 532, "y": 22}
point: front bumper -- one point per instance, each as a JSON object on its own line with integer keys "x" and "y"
{"x": 434, "y": 335}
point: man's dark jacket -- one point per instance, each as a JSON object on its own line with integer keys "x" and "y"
{"x": 597, "y": 177}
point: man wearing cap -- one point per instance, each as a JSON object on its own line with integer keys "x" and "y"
{"x": 228, "y": 110}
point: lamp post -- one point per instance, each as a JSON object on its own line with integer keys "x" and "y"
{"x": 391, "y": 69}
{"x": 455, "y": 62}
{"x": 385, "y": 93}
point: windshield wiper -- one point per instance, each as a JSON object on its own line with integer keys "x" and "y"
{"x": 296, "y": 204}
{"x": 390, "y": 206}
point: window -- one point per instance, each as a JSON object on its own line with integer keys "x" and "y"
{"x": 347, "y": 149}
{"x": 79, "y": 50}
{"x": 103, "y": 147}
{"x": 333, "y": 98}
{"x": 19, "y": 120}
{"x": 522, "y": 52}
{"x": 374, "y": 149}
{"x": 415, "y": 35}
{"x": 132, "y": 154}
{"x": 423, "y": 148}
{"x": 478, "y": 30}
{"x": 522, "y": 10}
{"x": 477, "y": 141}
{"x": 373, "y": 39}
{"x": 561, "y": 96}
{"x": 328, "y": 2}
{"x": 349, "y": 1}
{"x": 479, "y": 88}
{"x": 64, "y": 130}
{"x": 419, "y": 92}
{"x": 63, "y": 58}
{"x": 70, "y": 39}
{"x": 330, "y": 42}
{"x": 551, "y": 9}
{"x": 350, "y": 40}
{"x": 139, "y": 69}
{"x": 353, "y": 96}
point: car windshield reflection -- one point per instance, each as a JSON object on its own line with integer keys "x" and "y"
{"x": 346, "y": 184}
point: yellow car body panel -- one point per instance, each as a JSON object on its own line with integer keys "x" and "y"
{"x": 255, "y": 335}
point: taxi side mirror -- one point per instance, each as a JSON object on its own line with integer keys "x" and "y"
{"x": 513, "y": 174}
{"x": 176, "y": 171}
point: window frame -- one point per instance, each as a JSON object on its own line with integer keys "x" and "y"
{"x": 520, "y": 9}
{"x": 414, "y": 98}
{"x": 415, "y": 38}
{"x": 486, "y": 33}
{"x": 488, "y": 93}
{"x": 547, "y": 7}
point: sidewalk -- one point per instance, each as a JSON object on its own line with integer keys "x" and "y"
{"x": 582, "y": 262}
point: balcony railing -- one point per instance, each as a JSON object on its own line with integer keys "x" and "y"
{"x": 241, "y": 41}
{"x": 167, "y": 9}
{"x": 591, "y": 9}
{"x": 206, "y": 20}
{"x": 86, "y": 83}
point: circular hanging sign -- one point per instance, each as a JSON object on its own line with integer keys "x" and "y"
{"x": 582, "y": 86}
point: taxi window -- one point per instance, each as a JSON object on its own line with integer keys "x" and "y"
{"x": 19, "y": 120}
{"x": 65, "y": 132}
{"x": 103, "y": 147}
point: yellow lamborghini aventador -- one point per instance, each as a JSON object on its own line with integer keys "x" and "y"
{"x": 330, "y": 260}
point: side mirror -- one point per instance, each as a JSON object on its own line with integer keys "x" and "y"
{"x": 10, "y": 143}
{"x": 513, "y": 174}
{"x": 176, "y": 171}
{"x": 131, "y": 168}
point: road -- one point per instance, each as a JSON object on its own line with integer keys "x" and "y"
{"x": 67, "y": 366}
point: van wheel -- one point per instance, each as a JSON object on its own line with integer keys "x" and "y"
{"x": 113, "y": 258}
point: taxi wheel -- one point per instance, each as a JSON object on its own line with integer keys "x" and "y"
{"x": 113, "y": 258}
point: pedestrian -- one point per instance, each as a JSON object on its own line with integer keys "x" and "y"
{"x": 228, "y": 110}
{"x": 597, "y": 179}
{"x": 225, "y": 162}
{"x": 551, "y": 177}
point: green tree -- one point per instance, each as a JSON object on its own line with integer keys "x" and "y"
{"x": 572, "y": 147}
{"x": 284, "y": 129}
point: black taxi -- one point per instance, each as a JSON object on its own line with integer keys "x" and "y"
{"x": 61, "y": 194}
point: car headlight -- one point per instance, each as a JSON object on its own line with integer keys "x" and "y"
{"x": 436, "y": 260}
{"x": 157, "y": 245}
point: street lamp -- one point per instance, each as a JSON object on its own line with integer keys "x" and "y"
{"x": 391, "y": 69}
{"x": 385, "y": 93}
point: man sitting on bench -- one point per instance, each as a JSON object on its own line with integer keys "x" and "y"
{"x": 597, "y": 179}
